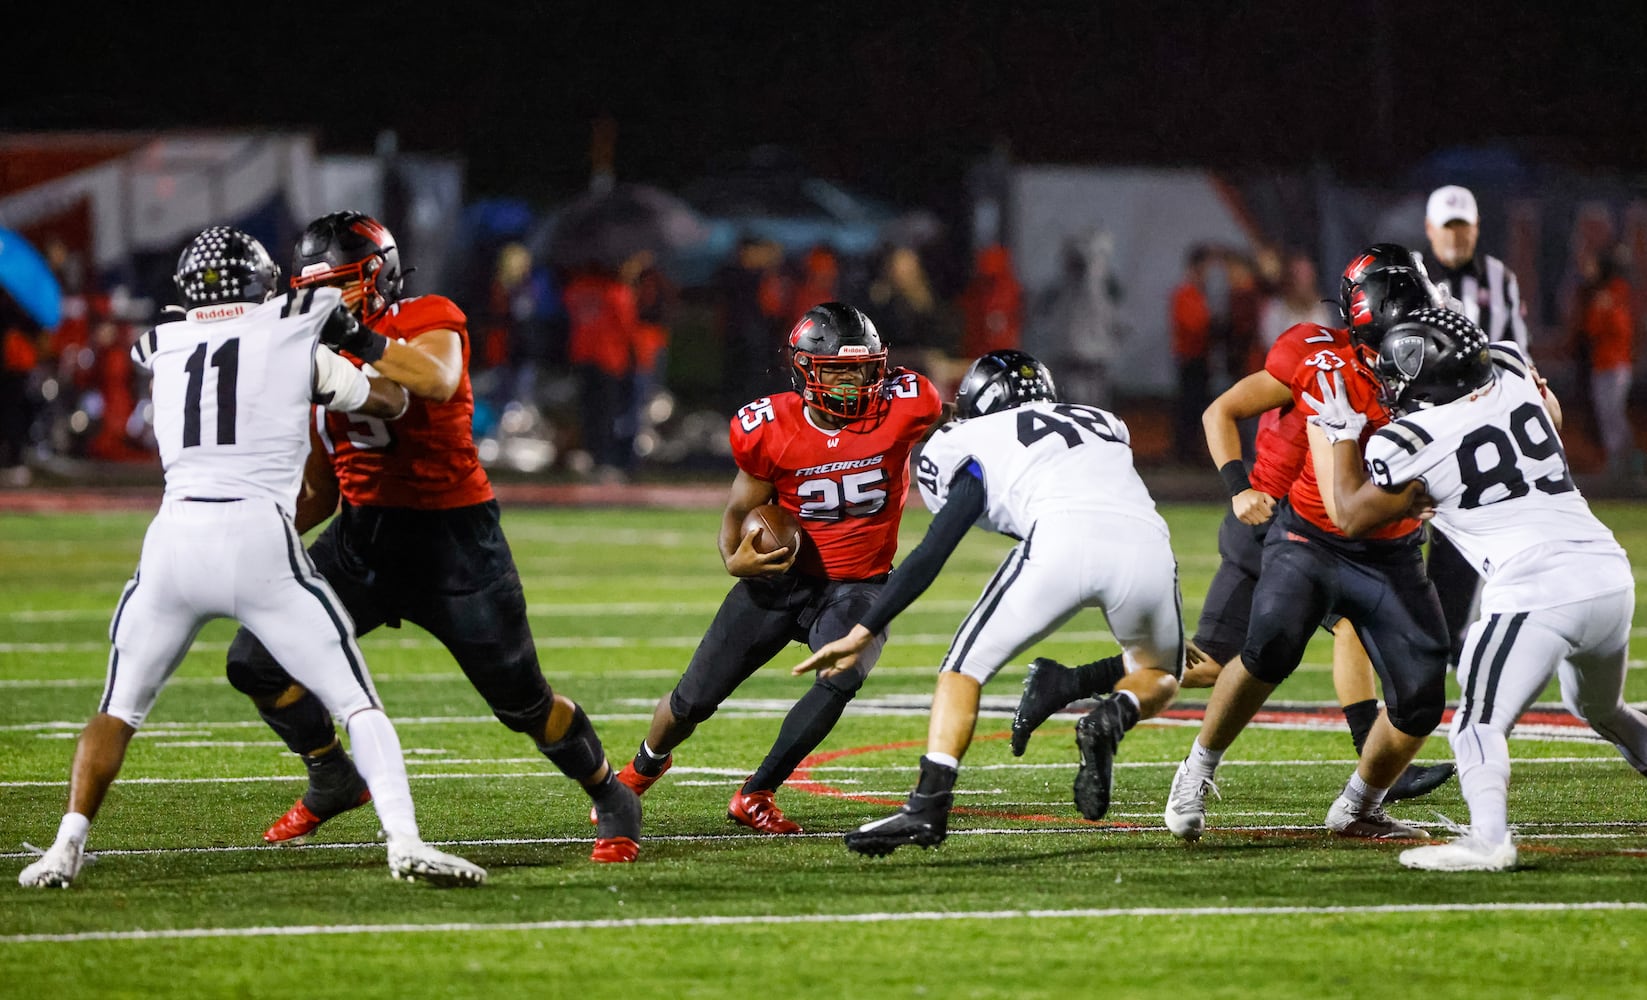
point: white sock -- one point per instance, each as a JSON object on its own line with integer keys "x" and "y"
{"x": 377, "y": 754}
{"x": 1483, "y": 756}
{"x": 646, "y": 748}
{"x": 953, "y": 763}
{"x": 1206, "y": 761}
{"x": 73, "y": 829}
{"x": 1362, "y": 795}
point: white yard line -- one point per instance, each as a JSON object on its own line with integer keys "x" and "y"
{"x": 769, "y": 920}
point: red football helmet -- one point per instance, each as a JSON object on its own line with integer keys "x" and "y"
{"x": 350, "y": 246}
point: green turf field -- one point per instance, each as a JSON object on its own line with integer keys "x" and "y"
{"x": 1024, "y": 900}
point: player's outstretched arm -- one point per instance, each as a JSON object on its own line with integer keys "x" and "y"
{"x": 962, "y": 507}
{"x": 429, "y": 366}
{"x": 737, "y": 547}
{"x": 1255, "y": 394}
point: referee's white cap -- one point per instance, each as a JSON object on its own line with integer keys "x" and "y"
{"x": 1450, "y": 203}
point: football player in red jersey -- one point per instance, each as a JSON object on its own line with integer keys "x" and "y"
{"x": 418, "y": 539}
{"x": 835, "y": 453}
{"x": 1380, "y": 286}
{"x": 1310, "y": 570}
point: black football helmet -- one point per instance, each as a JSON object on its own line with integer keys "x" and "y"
{"x": 1001, "y": 380}
{"x": 225, "y": 265}
{"x": 1431, "y": 357}
{"x": 350, "y": 246}
{"x": 1381, "y": 285}
{"x": 833, "y": 335}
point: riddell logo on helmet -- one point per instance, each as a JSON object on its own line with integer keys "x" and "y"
{"x": 226, "y": 311}
{"x": 852, "y": 351}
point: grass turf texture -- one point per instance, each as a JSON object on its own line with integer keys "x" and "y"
{"x": 1024, "y": 899}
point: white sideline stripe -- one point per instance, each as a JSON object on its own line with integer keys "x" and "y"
{"x": 743, "y": 772}
{"x": 298, "y": 930}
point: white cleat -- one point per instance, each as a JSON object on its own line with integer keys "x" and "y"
{"x": 56, "y": 868}
{"x": 416, "y": 861}
{"x": 1186, "y": 814}
{"x": 1369, "y": 823}
{"x": 1466, "y": 854}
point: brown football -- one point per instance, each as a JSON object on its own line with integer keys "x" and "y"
{"x": 778, "y": 527}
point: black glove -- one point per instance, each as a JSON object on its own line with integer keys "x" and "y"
{"x": 345, "y": 333}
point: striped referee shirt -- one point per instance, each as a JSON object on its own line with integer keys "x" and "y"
{"x": 1486, "y": 291}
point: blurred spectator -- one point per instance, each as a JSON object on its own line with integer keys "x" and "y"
{"x": 522, "y": 317}
{"x": 1299, "y": 301}
{"x": 754, "y": 320}
{"x": 1078, "y": 331}
{"x": 1246, "y": 302}
{"x": 1603, "y": 336}
{"x": 20, "y": 342}
{"x": 655, "y": 298}
{"x": 820, "y": 282}
{"x": 605, "y": 336}
{"x": 1191, "y": 324}
{"x": 992, "y": 305}
{"x": 112, "y": 399}
{"x": 911, "y": 320}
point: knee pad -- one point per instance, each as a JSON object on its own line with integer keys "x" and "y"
{"x": 1416, "y": 716}
{"x": 252, "y": 671}
{"x": 578, "y": 754}
{"x": 685, "y": 711}
{"x": 844, "y": 685}
{"x": 531, "y": 718}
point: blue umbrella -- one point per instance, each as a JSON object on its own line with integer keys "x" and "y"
{"x": 25, "y": 276}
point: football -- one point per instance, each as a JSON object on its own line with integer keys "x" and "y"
{"x": 778, "y": 528}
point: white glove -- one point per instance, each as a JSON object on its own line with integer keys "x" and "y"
{"x": 1333, "y": 412}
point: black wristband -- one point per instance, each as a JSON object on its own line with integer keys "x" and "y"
{"x": 367, "y": 345}
{"x": 1234, "y": 474}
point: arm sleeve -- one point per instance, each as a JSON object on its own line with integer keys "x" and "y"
{"x": 920, "y": 568}
{"x": 339, "y": 385}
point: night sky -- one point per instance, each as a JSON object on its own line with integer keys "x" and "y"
{"x": 896, "y": 98}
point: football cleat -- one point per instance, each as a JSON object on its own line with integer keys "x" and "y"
{"x": 922, "y": 821}
{"x": 1048, "y": 687}
{"x": 300, "y": 821}
{"x": 618, "y": 825}
{"x": 1416, "y": 781}
{"x": 757, "y": 811}
{"x": 1096, "y": 737}
{"x": 637, "y": 782}
{"x": 56, "y": 868}
{"x": 415, "y": 861}
{"x": 1466, "y": 854}
{"x": 1186, "y": 812}
{"x": 1369, "y": 822}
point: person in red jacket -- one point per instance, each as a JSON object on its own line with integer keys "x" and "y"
{"x": 605, "y": 339}
{"x": 1191, "y": 319}
{"x": 993, "y": 304}
{"x": 1606, "y": 332}
{"x": 418, "y": 539}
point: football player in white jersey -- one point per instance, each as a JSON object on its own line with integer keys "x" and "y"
{"x": 1059, "y": 478}
{"x": 1479, "y": 439}
{"x": 234, "y": 380}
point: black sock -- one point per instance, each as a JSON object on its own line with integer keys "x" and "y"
{"x": 1361, "y": 717}
{"x": 646, "y": 765}
{"x": 1099, "y": 676}
{"x": 578, "y": 752}
{"x": 936, "y": 778}
{"x": 334, "y": 783}
{"x": 304, "y": 725}
{"x": 1129, "y": 711}
{"x": 803, "y": 729}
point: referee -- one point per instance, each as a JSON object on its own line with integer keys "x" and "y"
{"x": 1482, "y": 288}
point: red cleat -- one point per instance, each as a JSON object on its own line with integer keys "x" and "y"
{"x": 637, "y": 782}
{"x": 614, "y": 850}
{"x": 757, "y": 811}
{"x": 299, "y": 822}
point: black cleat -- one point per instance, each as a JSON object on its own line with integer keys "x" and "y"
{"x": 923, "y": 821}
{"x": 1096, "y": 736}
{"x": 1048, "y": 687}
{"x": 1416, "y": 781}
